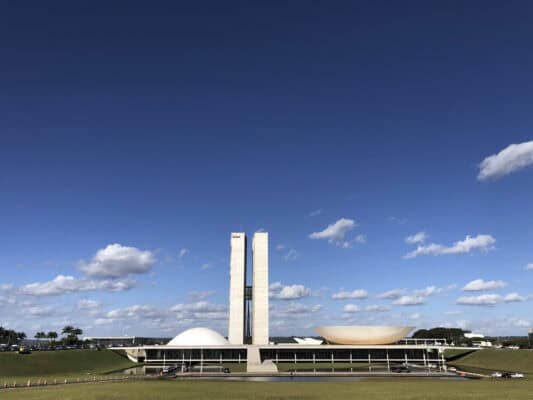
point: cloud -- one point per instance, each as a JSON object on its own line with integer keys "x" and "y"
{"x": 290, "y": 292}
{"x": 479, "y": 285}
{"x": 513, "y": 158}
{"x": 6, "y": 286}
{"x": 529, "y": 266}
{"x": 200, "y": 310}
{"x": 183, "y": 252}
{"x": 514, "y": 297}
{"x": 428, "y": 291}
{"x": 116, "y": 261}
{"x": 38, "y": 311}
{"x": 409, "y": 301}
{"x": 486, "y": 300}
{"x": 361, "y": 239}
{"x": 479, "y": 242}
{"x": 455, "y": 312}
{"x": 300, "y": 309}
{"x": 335, "y": 233}
{"x": 62, "y": 284}
{"x": 315, "y": 213}
{"x": 85, "y": 304}
{"x": 522, "y": 323}
{"x": 392, "y": 294}
{"x": 351, "y": 308}
{"x": 414, "y": 316}
{"x": 205, "y": 266}
{"x": 419, "y": 237}
{"x": 291, "y": 255}
{"x": 378, "y": 308}
{"x": 137, "y": 311}
{"x": 355, "y": 294}
{"x": 397, "y": 220}
{"x": 200, "y": 295}
{"x": 280, "y": 247}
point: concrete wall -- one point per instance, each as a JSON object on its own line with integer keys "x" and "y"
{"x": 236, "y": 288}
{"x": 260, "y": 289}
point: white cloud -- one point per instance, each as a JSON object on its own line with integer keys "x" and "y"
{"x": 335, "y": 233}
{"x": 299, "y": 309}
{"x": 355, "y": 294}
{"x": 428, "y": 291}
{"x": 6, "y": 286}
{"x": 201, "y": 310}
{"x": 199, "y": 296}
{"x": 62, "y": 284}
{"x": 455, "y": 312}
{"x": 351, "y": 308}
{"x": 392, "y": 294}
{"x": 378, "y": 308}
{"x": 513, "y": 158}
{"x": 529, "y": 266}
{"x": 38, "y": 311}
{"x": 481, "y": 300}
{"x": 291, "y": 255}
{"x": 409, "y": 300}
{"x": 415, "y": 316}
{"x": 514, "y": 297}
{"x": 522, "y": 323}
{"x": 479, "y": 285}
{"x": 275, "y": 286}
{"x": 315, "y": 213}
{"x": 290, "y": 292}
{"x": 205, "y": 266}
{"x": 419, "y": 237}
{"x": 361, "y": 239}
{"x": 479, "y": 242}
{"x": 183, "y": 252}
{"x": 137, "y": 311}
{"x": 280, "y": 247}
{"x": 115, "y": 261}
{"x": 86, "y": 304}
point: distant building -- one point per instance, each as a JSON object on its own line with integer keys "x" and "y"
{"x": 122, "y": 341}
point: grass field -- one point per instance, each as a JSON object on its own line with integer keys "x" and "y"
{"x": 399, "y": 389}
{"x": 16, "y": 367}
{"x": 489, "y": 360}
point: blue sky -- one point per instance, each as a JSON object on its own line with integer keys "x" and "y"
{"x": 135, "y": 138}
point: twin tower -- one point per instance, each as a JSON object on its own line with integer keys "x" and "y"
{"x": 243, "y": 322}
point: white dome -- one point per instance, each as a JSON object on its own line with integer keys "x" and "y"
{"x": 198, "y": 337}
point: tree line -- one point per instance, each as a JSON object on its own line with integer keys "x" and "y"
{"x": 70, "y": 335}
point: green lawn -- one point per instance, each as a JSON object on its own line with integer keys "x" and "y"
{"x": 59, "y": 364}
{"x": 371, "y": 389}
{"x": 489, "y": 360}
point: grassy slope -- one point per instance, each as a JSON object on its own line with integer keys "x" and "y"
{"x": 400, "y": 389}
{"x": 498, "y": 360}
{"x": 60, "y": 363}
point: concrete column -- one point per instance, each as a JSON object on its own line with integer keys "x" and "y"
{"x": 260, "y": 289}
{"x": 237, "y": 286}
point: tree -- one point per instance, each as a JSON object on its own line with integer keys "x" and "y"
{"x": 72, "y": 334}
{"x": 67, "y": 330}
{"x": 452, "y": 335}
{"x": 51, "y": 335}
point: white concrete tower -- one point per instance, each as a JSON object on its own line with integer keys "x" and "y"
{"x": 260, "y": 288}
{"x": 237, "y": 285}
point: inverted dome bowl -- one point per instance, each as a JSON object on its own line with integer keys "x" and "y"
{"x": 363, "y": 334}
